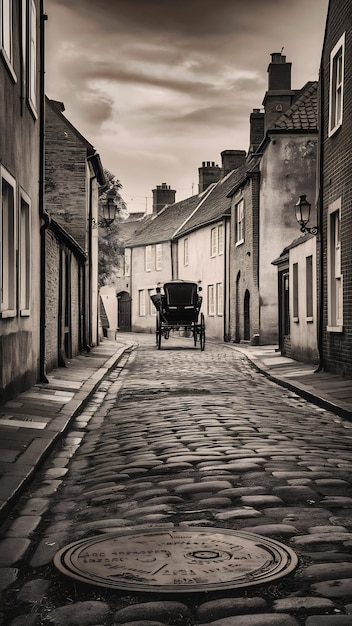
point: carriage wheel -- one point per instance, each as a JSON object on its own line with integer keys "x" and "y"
{"x": 158, "y": 330}
{"x": 195, "y": 334}
{"x": 202, "y": 332}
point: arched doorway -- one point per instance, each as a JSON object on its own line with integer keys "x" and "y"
{"x": 246, "y": 312}
{"x": 124, "y": 312}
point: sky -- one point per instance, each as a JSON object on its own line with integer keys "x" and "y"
{"x": 159, "y": 86}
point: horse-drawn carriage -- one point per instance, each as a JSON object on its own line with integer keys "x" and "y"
{"x": 177, "y": 308}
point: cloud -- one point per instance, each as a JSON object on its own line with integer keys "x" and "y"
{"x": 160, "y": 85}
{"x": 190, "y": 18}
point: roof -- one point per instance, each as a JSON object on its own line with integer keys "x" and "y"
{"x": 303, "y": 113}
{"x": 215, "y": 203}
{"x": 93, "y": 156}
{"x": 296, "y": 242}
{"x": 243, "y": 172}
{"x": 162, "y": 226}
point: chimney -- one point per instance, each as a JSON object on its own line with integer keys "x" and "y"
{"x": 279, "y": 96}
{"x": 162, "y": 195}
{"x": 209, "y": 173}
{"x": 57, "y": 105}
{"x": 231, "y": 160}
{"x": 256, "y": 135}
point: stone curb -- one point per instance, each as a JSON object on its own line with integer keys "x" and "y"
{"x": 341, "y": 409}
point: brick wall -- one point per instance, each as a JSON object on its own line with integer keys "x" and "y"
{"x": 244, "y": 264}
{"x": 66, "y": 190}
{"x": 54, "y": 249}
{"x": 337, "y": 183}
{"x": 52, "y": 301}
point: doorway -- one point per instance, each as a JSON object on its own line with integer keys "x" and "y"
{"x": 124, "y": 312}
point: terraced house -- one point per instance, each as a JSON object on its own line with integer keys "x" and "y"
{"x": 21, "y": 167}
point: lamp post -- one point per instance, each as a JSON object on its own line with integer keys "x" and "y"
{"x": 302, "y": 210}
{"x": 109, "y": 207}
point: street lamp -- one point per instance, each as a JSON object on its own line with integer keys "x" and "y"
{"x": 109, "y": 208}
{"x": 302, "y": 209}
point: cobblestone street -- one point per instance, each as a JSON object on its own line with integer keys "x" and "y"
{"x": 182, "y": 438}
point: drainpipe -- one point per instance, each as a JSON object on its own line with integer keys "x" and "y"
{"x": 320, "y": 208}
{"x": 172, "y": 260}
{"x": 42, "y": 213}
{"x": 225, "y": 280}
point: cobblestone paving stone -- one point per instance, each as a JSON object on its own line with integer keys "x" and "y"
{"x": 177, "y": 437}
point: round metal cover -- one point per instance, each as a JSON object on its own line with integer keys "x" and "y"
{"x": 176, "y": 560}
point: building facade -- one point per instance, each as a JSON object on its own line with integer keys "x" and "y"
{"x": 73, "y": 175}
{"x": 21, "y": 159}
{"x": 279, "y": 169}
{"x": 336, "y": 190}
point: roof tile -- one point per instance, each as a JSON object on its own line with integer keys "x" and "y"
{"x": 303, "y": 113}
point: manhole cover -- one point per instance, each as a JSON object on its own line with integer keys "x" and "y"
{"x": 176, "y": 560}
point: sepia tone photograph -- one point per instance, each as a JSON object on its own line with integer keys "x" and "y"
{"x": 176, "y": 313}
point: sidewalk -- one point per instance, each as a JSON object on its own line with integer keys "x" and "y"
{"x": 32, "y": 423}
{"x": 325, "y": 389}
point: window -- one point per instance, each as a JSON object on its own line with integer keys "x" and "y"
{"x": 309, "y": 288}
{"x": 148, "y": 259}
{"x": 128, "y": 262}
{"x": 185, "y": 251}
{"x": 32, "y": 56}
{"x": 295, "y": 292}
{"x": 8, "y": 245}
{"x": 141, "y": 302}
{"x": 6, "y": 31}
{"x": 239, "y": 223}
{"x": 335, "y": 284}
{"x": 24, "y": 256}
{"x": 158, "y": 256}
{"x": 220, "y": 240}
{"x": 219, "y": 299}
{"x": 336, "y": 85}
{"x": 211, "y": 302}
{"x": 213, "y": 242}
{"x": 216, "y": 241}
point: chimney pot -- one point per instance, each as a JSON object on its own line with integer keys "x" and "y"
{"x": 256, "y": 124}
{"x": 232, "y": 160}
{"x": 162, "y": 195}
{"x": 209, "y": 173}
{"x": 279, "y": 95}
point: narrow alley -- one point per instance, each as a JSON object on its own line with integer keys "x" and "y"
{"x": 179, "y": 438}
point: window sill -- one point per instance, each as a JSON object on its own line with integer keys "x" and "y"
{"x": 334, "y": 329}
{"x": 309, "y": 320}
{"x": 332, "y": 131}
{"x": 32, "y": 108}
{"x": 7, "y": 314}
{"x": 239, "y": 243}
{"x": 296, "y": 320}
{"x": 25, "y": 312}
